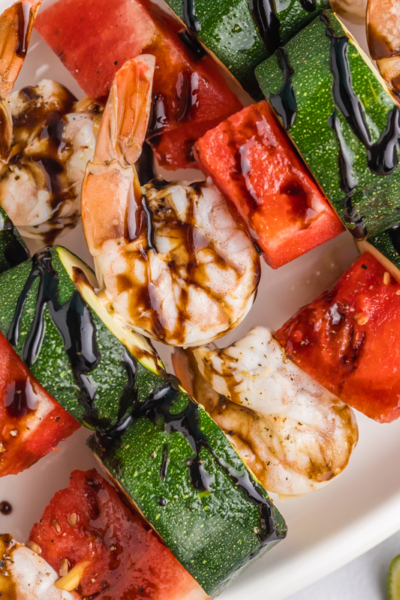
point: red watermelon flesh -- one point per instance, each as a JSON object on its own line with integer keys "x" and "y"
{"x": 348, "y": 339}
{"x": 32, "y": 423}
{"x": 251, "y": 159}
{"x": 88, "y": 522}
{"x": 95, "y": 38}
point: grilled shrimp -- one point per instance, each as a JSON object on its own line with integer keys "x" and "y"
{"x": 294, "y": 434}
{"x": 170, "y": 258}
{"x": 26, "y": 576}
{"x": 53, "y": 139}
{"x": 16, "y": 24}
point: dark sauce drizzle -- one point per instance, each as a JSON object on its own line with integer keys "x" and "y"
{"x": 5, "y": 508}
{"x": 158, "y": 407}
{"x": 309, "y": 5}
{"x": 74, "y": 323}
{"x": 189, "y": 16}
{"x": 21, "y": 399}
{"x": 159, "y": 118}
{"x": 382, "y": 156}
{"x": 267, "y": 22}
{"x": 145, "y": 165}
{"x": 192, "y": 44}
{"x": 51, "y": 124}
{"x": 284, "y": 102}
{"x": 164, "y": 462}
{"x": 149, "y": 226}
{"x": 394, "y": 234}
{"x": 15, "y": 252}
{"x": 24, "y": 16}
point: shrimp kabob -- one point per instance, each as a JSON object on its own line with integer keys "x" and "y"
{"x": 156, "y": 282}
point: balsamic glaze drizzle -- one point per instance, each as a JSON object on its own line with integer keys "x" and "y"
{"x": 75, "y": 325}
{"x": 284, "y": 102}
{"x": 189, "y": 16}
{"x": 159, "y": 118}
{"x": 192, "y": 44}
{"x": 164, "y": 462}
{"x": 20, "y": 399}
{"x": 149, "y": 226}
{"x": 382, "y": 156}
{"x": 267, "y": 22}
{"x": 24, "y": 10}
{"x": 15, "y": 252}
{"x": 145, "y": 165}
{"x": 309, "y": 5}
{"x": 5, "y": 508}
{"x": 157, "y": 407}
{"x": 394, "y": 234}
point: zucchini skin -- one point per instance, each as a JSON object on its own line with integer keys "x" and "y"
{"x": 372, "y": 207}
{"x": 228, "y": 29}
{"x": 113, "y": 374}
{"x": 187, "y": 482}
{"x": 388, "y": 244}
{"x": 13, "y": 250}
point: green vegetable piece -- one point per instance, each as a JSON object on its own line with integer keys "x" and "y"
{"x": 13, "y": 250}
{"x": 178, "y": 468}
{"x": 227, "y": 28}
{"x": 65, "y": 337}
{"x": 394, "y": 579}
{"x": 332, "y": 146}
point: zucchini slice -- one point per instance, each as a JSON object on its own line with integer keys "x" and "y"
{"x": 343, "y": 120}
{"x": 13, "y": 250}
{"x": 76, "y": 350}
{"x": 385, "y": 247}
{"x": 177, "y": 467}
{"x": 241, "y": 34}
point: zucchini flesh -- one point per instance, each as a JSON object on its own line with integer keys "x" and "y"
{"x": 343, "y": 121}
{"x": 67, "y": 346}
{"x": 13, "y": 250}
{"x": 179, "y": 470}
{"x": 242, "y": 37}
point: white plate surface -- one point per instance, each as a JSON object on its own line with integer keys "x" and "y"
{"x": 326, "y": 529}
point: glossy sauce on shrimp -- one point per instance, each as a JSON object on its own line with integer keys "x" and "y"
{"x": 294, "y": 434}
{"x": 170, "y": 258}
{"x": 53, "y": 139}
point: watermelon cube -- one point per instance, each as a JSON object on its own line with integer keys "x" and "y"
{"x": 252, "y": 161}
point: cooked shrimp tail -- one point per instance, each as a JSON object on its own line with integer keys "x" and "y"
{"x": 111, "y": 179}
{"x": 16, "y": 24}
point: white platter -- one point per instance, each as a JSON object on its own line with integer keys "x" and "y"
{"x": 326, "y": 529}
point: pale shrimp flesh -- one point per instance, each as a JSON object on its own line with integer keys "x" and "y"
{"x": 294, "y": 434}
{"x": 53, "y": 140}
{"x": 27, "y": 576}
{"x": 16, "y": 24}
{"x": 170, "y": 258}
{"x": 383, "y": 33}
